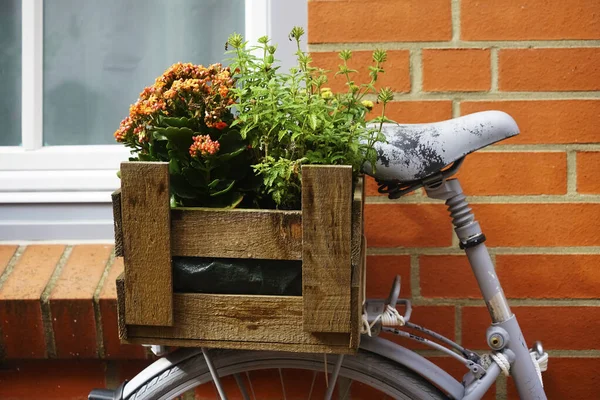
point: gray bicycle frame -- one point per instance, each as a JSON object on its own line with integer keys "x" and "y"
{"x": 504, "y": 334}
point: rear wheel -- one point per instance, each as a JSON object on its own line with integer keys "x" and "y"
{"x": 288, "y": 376}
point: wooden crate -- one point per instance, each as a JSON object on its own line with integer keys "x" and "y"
{"x": 327, "y": 235}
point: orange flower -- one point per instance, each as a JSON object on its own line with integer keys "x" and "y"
{"x": 182, "y": 90}
{"x": 203, "y": 146}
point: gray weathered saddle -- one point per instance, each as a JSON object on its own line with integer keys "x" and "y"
{"x": 416, "y": 151}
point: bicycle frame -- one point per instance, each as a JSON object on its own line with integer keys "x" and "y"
{"x": 504, "y": 335}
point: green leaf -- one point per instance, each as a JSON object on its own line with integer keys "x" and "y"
{"x": 181, "y": 122}
{"x": 229, "y": 156}
{"x": 181, "y": 188}
{"x": 214, "y": 183}
{"x": 195, "y": 178}
{"x": 222, "y": 191}
{"x": 235, "y": 201}
{"x": 312, "y": 118}
{"x": 146, "y": 157}
{"x": 179, "y": 138}
{"x": 174, "y": 166}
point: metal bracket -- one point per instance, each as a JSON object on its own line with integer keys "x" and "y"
{"x": 373, "y": 308}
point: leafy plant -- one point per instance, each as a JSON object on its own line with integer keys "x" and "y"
{"x": 290, "y": 119}
{"x": 184, "y": 119}
{"x": 241, "y": 139}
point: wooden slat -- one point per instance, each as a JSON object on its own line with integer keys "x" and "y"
{"x": 117, "y": 222}
{"x": 357, "y": 229}
{"x": 238, "y": 318}
{"x": 122, "y": 327}
{"x": 326, "y": 251}
{"x": 146, "y": 243}
{"x": 358, "y": 297}
{"x": 263, "y": 234}
{"x": 358, "y": 258}
{"x": 237, "y": 345}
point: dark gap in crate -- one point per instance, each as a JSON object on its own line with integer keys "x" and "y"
{"x": 237, "y": 276}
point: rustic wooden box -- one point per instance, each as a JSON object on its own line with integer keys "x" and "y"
{"x": 327, "y": 235}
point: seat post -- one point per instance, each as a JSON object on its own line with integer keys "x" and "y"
{"x": 471, "y": 240}
{"x": 505, "y": 333}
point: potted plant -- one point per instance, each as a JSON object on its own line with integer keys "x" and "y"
{"x": 238, "y": 139}
{"x": 210, "y": 143}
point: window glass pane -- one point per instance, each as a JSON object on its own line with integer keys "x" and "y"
{"x": 99, "y": 55}
{"x": 10, "y": 72}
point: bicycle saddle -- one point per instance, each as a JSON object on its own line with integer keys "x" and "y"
{"x": 416, "y": 151}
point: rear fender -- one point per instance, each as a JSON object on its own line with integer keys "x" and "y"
{"x": 415, "y": 363}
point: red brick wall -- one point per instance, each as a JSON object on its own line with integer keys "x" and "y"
{"x": 535, "y": 195}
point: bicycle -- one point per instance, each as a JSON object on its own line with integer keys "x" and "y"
{"x": 415, "y": 156}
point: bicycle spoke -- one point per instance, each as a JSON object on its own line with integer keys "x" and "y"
{"x": 326, "y": 376}
{"x": 344, "y": 385}
{"x": 240, "y": 382}
{"x": 282, "y": 385}
{"x": 334, "y": 377}
{"x": 214, "y": 374}
{"x": 312, "y": 385}
{"x": 251, "y": 387}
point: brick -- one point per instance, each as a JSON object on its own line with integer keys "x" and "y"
{"x": 371, "y": 187}
{"x": 546, "y": 121}
{"x": 447, "y": 70}
{"x": 20, "y": 308}
{"x": 538, "y": 224}
{"x": 416, "y": 112}
{"x": 407, "y": 225}
{"x": 514, "y": 173}
{"x": 6, "y": 253}
{"x": 379, "y": 21}
{"x": 561, "y": 375}
{"x": 447, "y": 276}
{"x": 381, "y": 272}
{"x": 437, "y": 318}
{"x": 529, "y": 20}
{"x": 50, "y": 379}
{"x": 396, "y": 68}
{"x": 588, "y": 169}
{"x": 573, "y": 276}
{"x": 541, "y": 276}
{"x": 564, "y": 69}
{"x": 72, "y": 304}
{"x": 559, "y": 328}
{"x": 107, "y": 301}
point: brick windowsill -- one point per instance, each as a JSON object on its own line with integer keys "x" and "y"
{"x": 59, "y": 302}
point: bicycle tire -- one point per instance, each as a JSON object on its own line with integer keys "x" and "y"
{"x": 373, "y": 370}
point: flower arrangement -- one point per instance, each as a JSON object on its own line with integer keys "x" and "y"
{"x": 183, "y": 118}
{"x": 238, "y": 135}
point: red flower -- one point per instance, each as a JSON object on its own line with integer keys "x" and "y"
{"x": 221, "y": 125}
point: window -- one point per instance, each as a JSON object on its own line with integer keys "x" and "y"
{"x": 70, "y": 69}
{"x": 10, "y": 72}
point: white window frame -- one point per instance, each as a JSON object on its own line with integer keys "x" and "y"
{"x": 62, "y": 193}
{"x": 34, "y": 173}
